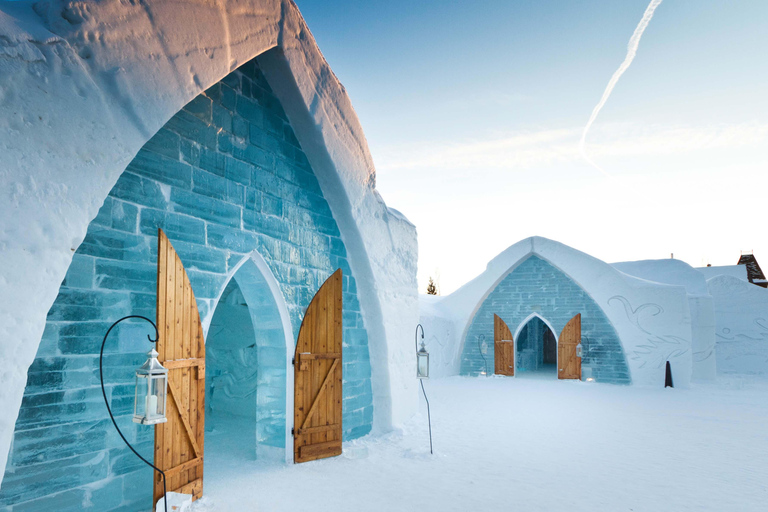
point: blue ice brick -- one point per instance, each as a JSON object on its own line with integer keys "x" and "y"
{"x": 357, "y": 370}
{"x": 250, "y": 111}
{"x": 289, "y": 136}
{"x": 240, "y": 127}
{"x": 326, "y": 225}
{"x": 353, "y": 353}
{"x": 205, "y": 207}
{"x": 352, "y": 419}
{"x": 254, "y": 155}
{"x": 59, "y": 442}
{"x": 124, "y": 216}
{"x": 265, "y": 224}
{"x": 202, "y": 307}
{"x": 83, "y": 337}
{"x": 222, "y": 118}
{"x": 237, "y": 170}
{"x": 139, "y": 190}
{"x": 273, "y": 124}
{"x": 160, "y": 168}
{"x": 245, "y": 87}
{"x": 223, "y": 237}
{"x": 272, "y": 205}
{"x": 80, "y": 273}
{"x": 175, "y": 226}
{"x": 72, "y": 500}
{"x": 135, "y": 487}
{"x": 253, "y": 199}
{"x": 265, "y": 182}
{"x": 337, "y": 247}
{"x": 356, "y": 402}
{"x": 213, "y": 161}
{"x": 211, "y": 185}
{"x": 357, "y": 432}
{"x": 48, "y": 478}
{"x": 199, "y": 257}
{"x": 74, "y": 304}
{"x": 164, "y": 142}
{"x": 118, "y": 215}
{"x": 307, "y": 181}
{"x": 105, "y": 495}
{"x": 124, "y": 275}
{"x": 228, "y": 97}
{"x": 190, "y": 127}
{"x": 226, "y": 142}
{"x": 190, "y": 152}
{"x": 206, "y": 285}
{"x": 200, "y": 107}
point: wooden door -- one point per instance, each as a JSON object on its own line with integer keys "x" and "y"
{"x": 317, "y": 376}
{"x": 568, "y": 363}
{"x": 503, "y": 348}
{"x": 179, "y": 441}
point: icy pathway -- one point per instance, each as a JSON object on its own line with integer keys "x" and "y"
{"x": 535, "y": 445}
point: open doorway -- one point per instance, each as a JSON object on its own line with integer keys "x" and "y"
{"x": 232, "y": 376}
{"x": 536, "y": 345}
{"x": 249, "y": 384}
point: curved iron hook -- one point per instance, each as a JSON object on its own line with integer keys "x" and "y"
{"x": 109, "y": 409}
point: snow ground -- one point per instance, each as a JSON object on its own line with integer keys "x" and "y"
{"x": 531, "y": 444}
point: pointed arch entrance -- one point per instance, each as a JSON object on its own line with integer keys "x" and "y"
{"x": 536, "y": 346}
{"x": 249, "y": 384}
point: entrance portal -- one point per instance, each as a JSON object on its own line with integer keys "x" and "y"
{"x": 248, "y": 389}
{"x": 232, "y": 374}
{"x": 536, "y": 348}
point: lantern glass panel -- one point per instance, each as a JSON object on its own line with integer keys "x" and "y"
{"x": 157, "y": 398}
{"x": 139, "y": 401}
{"x": 422, "y": 369}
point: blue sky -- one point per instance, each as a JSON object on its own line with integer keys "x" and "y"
{"x": 473, "y": 112}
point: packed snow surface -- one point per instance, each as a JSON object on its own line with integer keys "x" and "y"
{"x": 530, "y": 444}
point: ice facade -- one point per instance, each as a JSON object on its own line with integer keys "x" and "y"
{"x": 224, "y": 177}
{"x": 537, "y": 287}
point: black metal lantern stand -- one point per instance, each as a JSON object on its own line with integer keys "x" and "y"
{"x": 422, "y": 372}
{"x": 149, "y": 405}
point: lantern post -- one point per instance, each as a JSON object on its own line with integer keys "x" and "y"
{"x": 422, "y": 372}
{"x": 150, "y": 396}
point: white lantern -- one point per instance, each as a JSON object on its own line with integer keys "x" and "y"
{"x": 151, "y": 392}
{"x": 422, "y": 362}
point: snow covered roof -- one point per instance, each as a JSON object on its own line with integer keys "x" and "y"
{"x": 667, "y": 271}
{"x": 737, "y": 271}
{"x": 603, "y": 283}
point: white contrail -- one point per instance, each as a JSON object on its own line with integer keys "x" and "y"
{"x": 634, "y": 42}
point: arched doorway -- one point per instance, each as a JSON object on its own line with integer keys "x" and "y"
{"x": 248, "y": 384}
{"x": 536, "y": 348}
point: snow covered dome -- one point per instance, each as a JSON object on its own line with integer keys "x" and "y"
{"x": 223, "y": 125}
{"x": 629, "y": 327}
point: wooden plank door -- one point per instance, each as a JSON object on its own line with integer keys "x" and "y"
{"x": 317, "y": 376}
{"x": 179, "y": 441}
{"x": 568, "y": 363}
{"x": 503, "y": 348}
